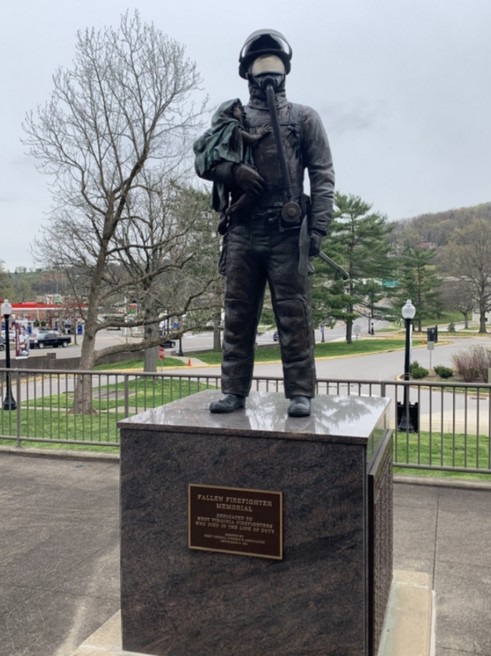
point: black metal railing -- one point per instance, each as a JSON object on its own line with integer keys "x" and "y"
{"x": 450, "y": 428}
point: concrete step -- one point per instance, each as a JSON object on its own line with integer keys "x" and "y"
{"x": 409, "y": 625}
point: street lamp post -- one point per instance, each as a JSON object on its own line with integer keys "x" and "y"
{"x": 408, "y": 312}
{"x": 9, "y": 401}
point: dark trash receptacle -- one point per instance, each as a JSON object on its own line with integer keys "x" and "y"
{"x": 432, "y": 334}
{"x": 413, "y": 417}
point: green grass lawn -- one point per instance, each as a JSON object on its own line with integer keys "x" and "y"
{"x": 326, "y": 350}
{"x": 49, "y": 417}
{"x": 442, "y": 450}
{"x": 271, "y": 353}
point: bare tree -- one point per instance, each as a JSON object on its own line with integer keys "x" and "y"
{"x": 169, "y": 254}
{"x": 469, "y": 256}
{"x": 125, "y": 108}
{"x": 456, "y": 294}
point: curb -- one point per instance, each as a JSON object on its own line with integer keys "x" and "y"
{"x": 440, "y": 482}
{"x": 399, "y": 479}
{"x": 58, "y": 454}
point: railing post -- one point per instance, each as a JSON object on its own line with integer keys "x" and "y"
{"x": 126, "y": 396}
{"x": 19, "y": 410}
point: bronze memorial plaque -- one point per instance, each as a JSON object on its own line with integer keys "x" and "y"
{"x": 236, "y": 520}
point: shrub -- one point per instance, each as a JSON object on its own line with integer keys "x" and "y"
{"x": 442, "y": 371}
{"x": 417, "y": 371}
{"x": 472, "y": 365}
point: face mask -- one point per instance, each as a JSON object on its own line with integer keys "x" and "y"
{"x": 267, "y": 69}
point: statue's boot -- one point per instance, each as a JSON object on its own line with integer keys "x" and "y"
{"x": 299, "y": 406}
{"x": 229, "y": 403}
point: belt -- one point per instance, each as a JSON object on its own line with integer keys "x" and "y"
{"x": 273, "y": 215}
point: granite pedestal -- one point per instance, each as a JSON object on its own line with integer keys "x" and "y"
{"x": 324, "y": 591}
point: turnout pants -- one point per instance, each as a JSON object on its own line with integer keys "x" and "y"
{"x": 258, "y": 253}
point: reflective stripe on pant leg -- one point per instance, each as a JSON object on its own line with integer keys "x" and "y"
{"x": 297, "y": 353}
{"x": 244, "y": 292}
{"x": 291, "y": 297}
{"x": 239, "y": 338}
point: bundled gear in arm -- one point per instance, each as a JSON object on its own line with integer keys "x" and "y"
{"x": 282, "y": 229}
{"x": 229, "y": 141}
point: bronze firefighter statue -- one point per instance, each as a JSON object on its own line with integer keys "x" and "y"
{"x": 256, "y": 157}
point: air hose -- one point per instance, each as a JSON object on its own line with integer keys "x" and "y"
{"x": 291, "y": 211}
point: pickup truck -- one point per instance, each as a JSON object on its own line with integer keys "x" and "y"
{"x": 44, "y": 339}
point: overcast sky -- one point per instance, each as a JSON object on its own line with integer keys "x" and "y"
{"x": 403, "y": 88}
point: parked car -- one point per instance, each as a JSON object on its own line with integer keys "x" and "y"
{"x": 44, "y": 339}
{"x": 276, "y": 336}
{"x": 168, "y": 343}
{"x": 2, "y": 344}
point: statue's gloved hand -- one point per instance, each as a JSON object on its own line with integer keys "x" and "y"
{"x": 248, "y": 179}
{"x": 315, "y": 243}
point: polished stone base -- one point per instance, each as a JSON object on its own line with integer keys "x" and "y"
{"x": 408, "y": 629}
{"x": 321, "y": 598}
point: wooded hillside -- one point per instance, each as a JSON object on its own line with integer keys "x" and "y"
{"x": 437, "y": 229}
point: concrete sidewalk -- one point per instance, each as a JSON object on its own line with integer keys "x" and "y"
{"x": 59, "y": 552}
{"x": 59, "y": 559}
{"x": 446, "y": 532}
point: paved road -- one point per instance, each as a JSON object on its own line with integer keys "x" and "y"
{"x": 376, "y": 366}
{"x": 190, "y": 342}
{"x": 389, "y": 365}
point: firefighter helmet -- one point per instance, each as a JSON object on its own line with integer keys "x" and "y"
{"x": 264, "y": 42}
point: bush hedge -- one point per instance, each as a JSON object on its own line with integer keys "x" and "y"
{"x": 442, "y": 371}
{"x": 473, "y": 365}
{"x": 417, "y": 371}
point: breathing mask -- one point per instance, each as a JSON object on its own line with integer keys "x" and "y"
{"x": 267, "y": 70}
